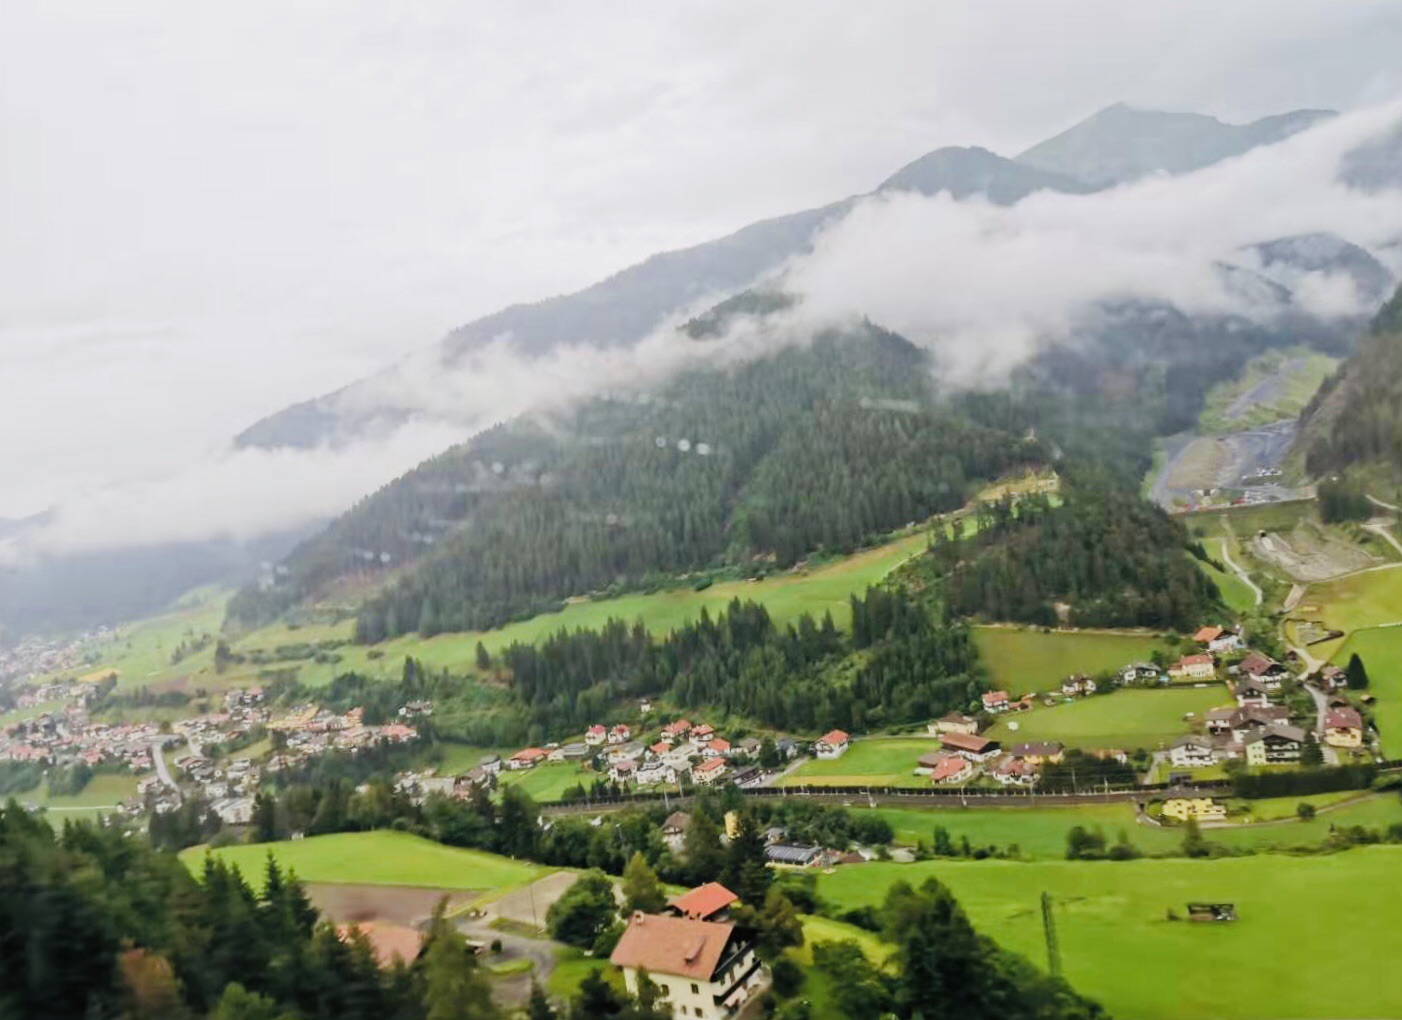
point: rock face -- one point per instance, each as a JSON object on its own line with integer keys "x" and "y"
{"x": 1121, "y": 143}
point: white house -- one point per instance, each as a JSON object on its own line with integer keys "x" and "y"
{"x": 1193, "y": 752}
{"x": 705, "y": 970}
{"x": 832, "y": 744}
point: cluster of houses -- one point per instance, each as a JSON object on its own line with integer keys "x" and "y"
{"x": 69, "y": 737}
{"x": 682, "y": 751}
{"x": 36, "y": 656}
{"x": 308, "y": 731}
{"x": 965, "y": 755}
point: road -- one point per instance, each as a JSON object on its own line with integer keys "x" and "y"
{"x": 158, "y": 756}
{"x": 1321, "y": 706}
{"x": 1245, "y": 577}
{"x": 1381, "y": 529}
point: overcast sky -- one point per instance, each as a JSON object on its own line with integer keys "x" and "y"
{"x": 210, "y": 210}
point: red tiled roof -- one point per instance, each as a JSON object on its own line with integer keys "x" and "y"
{"x": 704, "y": 901}
{"x": 1195, "y": 660}
{"x": 672, "y": 945}
{"x": 832, "y": 738}
{"x": 948, "y": 767}
{"x": 711, "y": 764}
{"x": 528, "y": 754}
{"x": 1206, "y": 634}
{"x": 1343, "y": 719}
{"x": 965, "y": 742}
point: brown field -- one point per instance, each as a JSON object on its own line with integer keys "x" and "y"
{"x": 349, "y": 904}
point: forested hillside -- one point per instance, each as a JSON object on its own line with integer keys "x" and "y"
{"x": 1106, "y": 557}
{"x": 811, "y": 449}
{"x": 1356, "y": 418}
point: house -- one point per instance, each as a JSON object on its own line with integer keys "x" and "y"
{"x": 654, "y": 773}
{"x": 1267, "y": 673}
{"x": 786, "y": 747}
{"x": 1193, "y": 667}
{"x": 702, "y": 969}
{"x": 624, "y": 752}
{"x": 1141, "y": 673}
{"x": 674, "y": 731}
{"x": 595, "y": 735}
{"x": 490, "y": 764}
{"x": 1331, "y": 678}
{"x": 234, "y": 810}
{"x": 710, "y": 771}
{"x": 1077, "y": 686}
{"x": 1014, "y": 772}
{"x": 716, "y": 748}
{"x": 1276, "y": 745}
{"x": 797, "y": 856}
{"x": 709, "y": 902}
{"x": 951, "y": 769}
{"x": 832, "y": 744}
{"x": 1039, "y": 751}
{"x": 1193, "y": 752}
{"x": 973, "y": 748}
{"x": 1249, "y": 721}
{"x": 701, "y": 733}
{"x": 1218, "y": 640}
{"x": 749, "y": 746}
{"x": 660, "y": 748}
{"x": 527, "y": 758}
{"x": 954, "y": 722}
{"x": 622, "y": 771}
{"x": 1343, "y": 727}
{"x": 569, "y": 752}
{"x": 1206, "y": 635}
{"x": 1219, "y": 720}
{"x": 1202, "y": 809}
{"x": 1251, "y": 691}
{"x": 620, "y": 734}
{"x": 995, "y": 701}
{"x": 674, "y": 829}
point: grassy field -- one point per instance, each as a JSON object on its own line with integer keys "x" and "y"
{"x": 377, "y": 858}
{"x": 549, "y": 782}
{"x": 103, "y": 792}
{"x": 1298, "y": 950}
{"x": 1380, "y": 648}
{"x": 1023, "y": 659}
{"x": 1235, "y": 593}
{"x": 1126, "y": 719}
{"x": 32, "y": 711}
{"x": 1369, "y": 599}
{"x": 1040, "y": 832}
{"x": 875, "y": 761}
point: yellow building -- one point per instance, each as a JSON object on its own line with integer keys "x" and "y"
{"x": 1202, "y": 809}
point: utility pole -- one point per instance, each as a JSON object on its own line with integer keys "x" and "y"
{"x": 1049, "y": 930}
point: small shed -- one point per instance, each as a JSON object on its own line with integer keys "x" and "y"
{"x": 1211, "y": 911}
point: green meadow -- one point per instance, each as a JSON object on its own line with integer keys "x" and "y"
{"x": 1316, "y": 936}
{"x": 1380, "y": 648}
{"x": 1235, "y": 592}
{"x": 382, "y": 857}
{"x": 1023, "y": 659}
{"x": 1126, "y": 719}
{"x": 872, "y": 761}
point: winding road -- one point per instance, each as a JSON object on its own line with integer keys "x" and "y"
{"x": 1245, "y": 577}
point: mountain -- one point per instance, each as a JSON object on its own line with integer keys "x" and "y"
{"x": 631, "y": 304}
{"x": 1287, "y": 259}
{"x": 966, "y": 172}
{"x": 1354, "y": 423}
{"x": 1122, "y": 143}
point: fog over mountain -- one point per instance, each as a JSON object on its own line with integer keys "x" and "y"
{"x": 169, "y": 305}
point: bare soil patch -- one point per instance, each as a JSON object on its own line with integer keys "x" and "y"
{"x": 528, "y": 905}
{"x": 349, "y": 904}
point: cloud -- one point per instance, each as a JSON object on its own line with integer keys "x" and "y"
{"x": 982, "y": 285}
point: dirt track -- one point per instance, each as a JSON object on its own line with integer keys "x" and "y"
{"x": 345, "y": 903}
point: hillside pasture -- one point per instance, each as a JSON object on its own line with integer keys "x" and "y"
{"x": 873, "y": 761}
{"x": 1380, "y": 648}
{"x": 1315, "y": 939}
{"x": 382, "y": 857}
{"x": 1125, "y": 719}
{"x": 1022, "y": 659}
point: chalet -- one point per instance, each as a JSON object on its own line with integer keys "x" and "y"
{"x": 716, "y": 748}
{"x": 620, "y": 734}
{"x": 710, "y": 771}
{"x": 1202, "y": 809}
{"x": 786, "y": 747}
{"x": 674, "y": 829}
{"x": 832, "y": 744}
{"x": 674, "y": 731}
{"x": 1250, "y": 691}
{"x": 528, "y": 758}
{"x": 749, "y": 746}
{"x": 954, "y": 722}
{"x": 702, "y": 969}
{"x": 1014, "y": 772}
{"x": 1276, "y": 745}
{"x": 952, "y": 769}
{"x": 1218, "y": 640}
{"x": 1038, "y": 751}
{"x": 702, "y": 733}
{"x": 1343, "y": 727}
{"x": 595, "y": 735}
{"x": 1193, "y": 752}
{"x": 1141, "y": 673}
{"x": 660, "y": 748}
{"x": 1219, "y": 720}
{"x": 1193, "y": 667}
{"x": 995, "y": 701}
{"x": 1077, "y": 686}
{"x": 654, "y": 773}
{"x": 1265, "y": 671}
{"x": 624, "y": 752}
{"x": 622, "y": 771}
{"x": 973, "y": 748}
{"x": 709, "y": 902}
{"x": 1331, "y": 678}
{"x": 1249, "y": 721}
{"x": 1206, "y": 635}
{"x": 569, "y": 752}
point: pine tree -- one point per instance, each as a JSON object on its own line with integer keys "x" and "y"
{"x": 705, "y": 857}
{"x": 642, "y": 890}
{"x": 1356, "y": 673}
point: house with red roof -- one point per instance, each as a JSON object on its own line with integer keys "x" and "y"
{"x": 595, "y": 735}
{"x": 705, "y": 903}
{"x": 1193, "y": 667}
{"x": 995, "y": 701}
{"x": 527, "y": 758}
{"x": 710, "y": 771}
{"x": 832, "y": 744}
{"x": 716, "y": 748}
{"x": 705, "y": 970}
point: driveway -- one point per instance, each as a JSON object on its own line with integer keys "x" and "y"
{"x": 1321, "y": 706}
